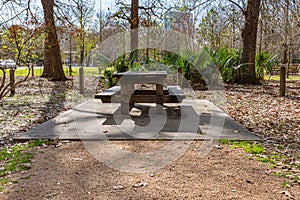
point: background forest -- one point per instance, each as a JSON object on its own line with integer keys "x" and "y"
{"x": 245, "y": 38}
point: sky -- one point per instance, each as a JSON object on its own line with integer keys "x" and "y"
{"x": 105, "y": 4}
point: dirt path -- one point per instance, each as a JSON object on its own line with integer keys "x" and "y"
{"x": 70, "y": 172}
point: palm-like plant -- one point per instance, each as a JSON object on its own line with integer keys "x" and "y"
{"x": 227, "y": 61}
{"x": 265, "y": 62}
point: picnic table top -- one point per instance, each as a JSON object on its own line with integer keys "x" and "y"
{"x": 141, "y": 77}
{"x": 136, "y": 73}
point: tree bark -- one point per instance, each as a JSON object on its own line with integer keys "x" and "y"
{"x": 134, "y": 25}
{"x": 247, "y": 74}
{"x": 81, "y": 34}
{"x": 286, "y": 34}
{"x": 52, "y": 59}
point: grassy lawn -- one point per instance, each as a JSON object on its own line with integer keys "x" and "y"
{"x": 277, "y": 77}
{"x": 90, "y": 71}
{"x": 39, "y": 70}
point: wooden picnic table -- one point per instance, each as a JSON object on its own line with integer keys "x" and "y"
{"x": 291, "y": 68}
{"x": 127, "y": 81}
{"x": 127, "y": 95}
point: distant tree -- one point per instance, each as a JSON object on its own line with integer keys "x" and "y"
{"x": 281, "y": 30}
{"x": 136, "y": 14}
{"x": 211, "y": 29}
{"x": 83, "y": 11}
{"x": 24, "y": 42}
{"x": 19, "y": 41}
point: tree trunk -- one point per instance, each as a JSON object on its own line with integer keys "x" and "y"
{"x": 82, "y": 46}
{"x": 286, "y": 47}
{"x": 134, "y": 25}
{"x": 52, "y": 59}
{"x": 247, "y": 74}
{"x": 81, "y": 34}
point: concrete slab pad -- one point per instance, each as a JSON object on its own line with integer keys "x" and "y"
{"x": 93, "y": 120}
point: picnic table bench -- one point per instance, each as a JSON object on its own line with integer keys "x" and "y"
{"x": 127, "y": 95}
{"x": 292, "y": 69}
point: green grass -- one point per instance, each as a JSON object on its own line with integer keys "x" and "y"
{"x": 278, "y": 157}
{"x": 16, "y": 158}
{"x": 260, "y": 154}
{"x": 225, "y": 141}
{"x": 291, "y": 178}
{"x": 272, "y": 159}
{"x": 280, "y": 146}
{"x": 286, "y": 174}
{"x": 285, "y": 184}
{"x": 88, "y": 71}
{"x": 3, "y": 181}
{"x": 24, "y": 72}
{"x": 248, "y": 147}
{"x": 277, "y": 77}
{"x": 36, "y": 143}
{"x": 264, "y": 160}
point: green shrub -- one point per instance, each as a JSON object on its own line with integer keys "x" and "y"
{"x": 108, "y": 74}
{"x": 226, "y": 60}
{"x": 121, "y": 65}
{"x": 265, "y": 63}
{"x": 188, "y": 62}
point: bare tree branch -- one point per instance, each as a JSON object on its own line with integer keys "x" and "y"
{"x": 238, "y": 5}
{"x": 5, "y": 90}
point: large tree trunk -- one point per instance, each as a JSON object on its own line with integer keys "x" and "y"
{"x": 52, "y": 59}
{"x": 247, "y": 74}
{"x": 134, "y": 25}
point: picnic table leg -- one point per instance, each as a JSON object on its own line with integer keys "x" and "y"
{"x": 159, "y": 98}
{"x": 179, "y": 77}
{"x": 126, "y": 92}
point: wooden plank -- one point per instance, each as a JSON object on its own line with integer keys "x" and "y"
{"x": 148, "y": 92}
{"x": 107, "y": 94}
{"x": 179, "y": 77}
{"x": 175, "y": 90}
{"x": 112, "y": 89}
{"x": 141, "y": 77}
{"x": 12, "y": 82}
{"x": 126, "y": 92}
{"x": 173, "y": 94}
{"x": 293, "y": 68}
{"x": 282, "y": 81}
{"x": 141, "y": 74}
{"x": 149, "y": 99}
{"x": 176, "y": 94}
{"x": 159, "y": 98}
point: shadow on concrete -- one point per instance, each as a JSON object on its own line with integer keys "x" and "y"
{"x": 93, "y": 120}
